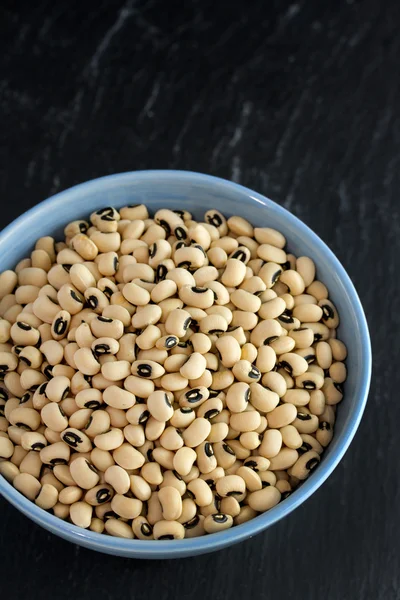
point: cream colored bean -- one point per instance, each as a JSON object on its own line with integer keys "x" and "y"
{"x": 28, "y": 485}
{"x": 264, "y": 499}
{"x": 128, "y": 457}
{"x": 109, "y": 440}
{"x": 54, "y": 417}
{"x": 217, "y": 522}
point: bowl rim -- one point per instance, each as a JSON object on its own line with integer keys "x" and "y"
{"x": 208, "y": 543}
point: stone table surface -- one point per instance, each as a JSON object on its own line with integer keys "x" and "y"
{"x": 299, "y": 101}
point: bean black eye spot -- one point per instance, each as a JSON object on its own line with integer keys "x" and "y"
{"x": 75, "y": 296}
{"x": 24, "y": 326}
{"x": 180, "y": 233}
{"x": 144, "y": 370}
{"x": 220, "y": 518}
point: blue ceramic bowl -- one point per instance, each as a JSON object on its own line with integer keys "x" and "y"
{"x": 198, "y": 193}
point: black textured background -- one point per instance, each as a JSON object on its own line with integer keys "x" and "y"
{"x": 299, "y": 101}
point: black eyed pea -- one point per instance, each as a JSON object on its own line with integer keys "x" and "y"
{"x": 329, "y": 313}
{"x": 151, "y": 472}
{"x": 324, "y": 433}
{"x": 250, "y": 439}
{"x": 266, "y": 359}
{"x": 6, "y": 448}
{"x": 245, "y": 372}
{"x": 148, "y": 369}
{"x": 317, "y": 402}
{"x": 140, "y": 488}
{"x": 246, "y": 514}
{"x": 118, "y": 478}
{"x": 196, "y": 433}
{"x": 282, "y": 415}
{"x": 10, "y": 406}
{"x": 138, "y": 386}
{"x": 149, "y": 337}
{"x": 52, "y": 351}
{"x": 167, "y": 342}
{"x": 230, "y": 506}
{"x": 283, "y": 345}
{"x": 250, "y": 477}
{"x": 217, "y": 219}
{"x": 264, "y": 499}
{"x": 159, "y": 406}
{"x": 189, "y": 510}
{"x": 229, "y": 350}
{"x": 116, "y": 371}
{"x": 337, "y": 372}
{"x": 174, "y": 382}
{"x": 213, "y": 324}
{"x": 194, "y": 367}
{"x": 101, "y": 459}
{"x": 27, "y": 484}
{"x": 240, "y": 452}
{"x": 32, "y": 440}
{"x": 172, "y": 478}
{"x": 107, "y": 327}
{"x": 245, "y": 421}
{"x": 8, "y": 281}
{"x": 138, "y": 414}
{"x": 199, "y": 297}
{"x": 5, "y": 329}
{"x": 211, "y": 408}
{"x": 168, "y": 530}
{"x": 224, "y": 454}
{"x": 258, "y": 463}
{"x": 310, "y": 381}
{"x": 31, "y": 379}
{"x": 298, "y": 397}
{"x": 70, "y": 299}
{"x": 171, "y": 503}
{"x": 291, "y": 437}
{"x": 302, "y": 337}
{"x": 134, "y": 434}
{"x": 142, "y": 528}
{"x": 294, "y": 282}
{"x": 27, "y": 419}
{"x": 24, "y": 334}
{"x": 96, "y": 525}
{"x": 58, "y": 388}
{"x": 238, "y": 396}
{"x": 192, "y": 257}
{"x": 60, "y": 324}
{"x": 305, "y": 422}
{"x": 125, "y": 507}
{"x": 323, "y": 353}
{"x": 76, "y": 439}
{"x": 272, "y": 309}
{"x": 265, "y": 332}
{"x": 217, "y": 522}
{"x": 105, "y": 345}
{"x": 305, "y": 464}
{"x": 171, "y": 439}
{"x": 262, "y": 398}
{"x": 309, "y": 313}
{"x": 70, "y": 494}
{"x": 178, "y": 322}
{"x": 321, "y": 331}
{"x": 54, "y": 417}
{"x": 81, "y": 277}
{"x": 128, "y": 457}
{"x": 339, "y": 350}
{"x": 84, "y": 473}
{"x": 294, "y": 364}
{"x": 89, "y": 398}
{"x": 306, "y": 267}
{"x": 182, "y": 417}
{"x": 80, "y": 514}
{"x": 230, "y": 485}
{"x": 234, "y": 273}
{"x": 110, "y": 440}
{"x": 206, "y": 380}
{"x": 246, "y": 320}
{"x": 206, "y": 461}
{"x": 8, "y": 470}
{"x": 62, "y": 474}
{"x": 332, "y": 391}
{"x": 183, "y": 460}
{"x": 31, "y": 464}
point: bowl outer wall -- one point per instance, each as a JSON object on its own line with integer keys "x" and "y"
{"x": 197, "y": 193}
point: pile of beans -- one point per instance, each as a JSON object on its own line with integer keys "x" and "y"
{"x": 164, "y": 378}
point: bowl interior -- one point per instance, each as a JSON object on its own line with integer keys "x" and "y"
{"x": 198, "y": 193}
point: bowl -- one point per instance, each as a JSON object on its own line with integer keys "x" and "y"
{"x": 198, "y": 193}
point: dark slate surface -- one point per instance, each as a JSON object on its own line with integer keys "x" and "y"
{"x": 298, "y": 101}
